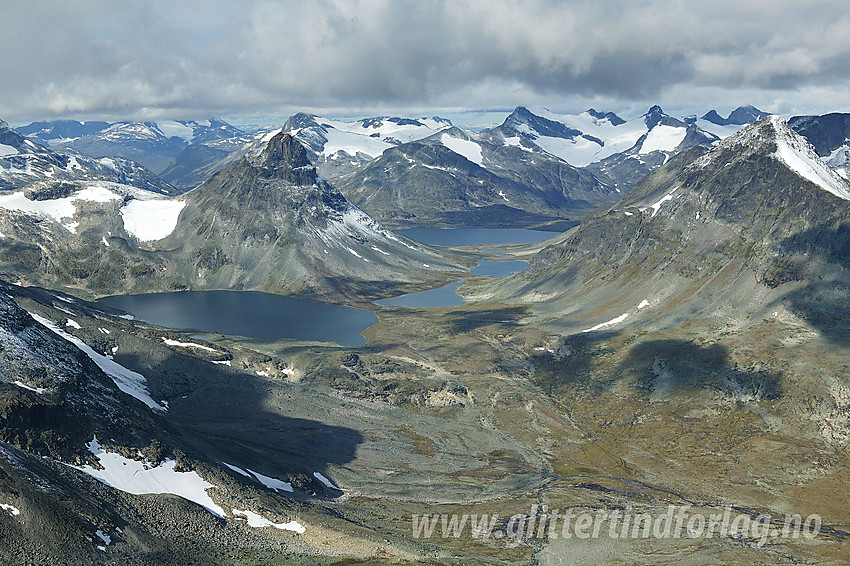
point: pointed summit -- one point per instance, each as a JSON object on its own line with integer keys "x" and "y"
{"x": 527, "y": 124}
{"x": 285, "y": 158}
{"x": 655, "y": 116}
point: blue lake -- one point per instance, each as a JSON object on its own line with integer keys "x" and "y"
{"x": 498, "y": 268}
{"x": 442, "y": 297}
{"x": 476, "y": 236}
{"x": 249, "y": 313}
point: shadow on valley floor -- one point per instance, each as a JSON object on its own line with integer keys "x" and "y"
{"x": 572, "y": 365}
{"x": 679, "y": 365}
{"x": 826, "y": 306}
{"x": 653, "y": 366}
{"x": 824, "y": 301}
{"x": 466, "y": 320}
{"x": 245, "y": 420}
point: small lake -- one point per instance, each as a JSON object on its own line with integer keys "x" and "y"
{"x": 442, "y": 297}
{"x": 249, "y": 313}
{"x": 498, "y": 268}
{"x": 475, "y": 236}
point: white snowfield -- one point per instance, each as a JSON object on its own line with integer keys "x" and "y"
{"x": 581, "y": 151}
{"x": 60, "y": 210}
{"x": 466, "y": 148}
{"x": 355, "y": 137}
{"x": 128, "y": 381}
{"x": 187, "y": 345}
{"x": 371, "y": 138}
{"x": 151, "y": 219}
{"x": 23, "y": 385}
{"x": 139, "y": 478}
{"x": 611, "y": 322}
{"x": 793, "y": 150}
{"x": 6, "y": 150}
{"x": 352, "y": 144}
{"x": 258, "y": 522}
{"x": 662, "y": 138}
{"x": 14, "y": 511}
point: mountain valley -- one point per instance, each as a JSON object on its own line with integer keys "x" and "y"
{"x": 679, "y": 340}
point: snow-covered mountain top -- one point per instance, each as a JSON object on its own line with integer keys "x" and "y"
{"x": 798, "y": 154}
{"x": 61, "y": 132}
{"x": 581, "y": 139}
{"x": 368, "y": 136}
{"x": 791, "y": 149}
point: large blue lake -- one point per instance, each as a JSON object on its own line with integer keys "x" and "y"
{"x": 249, "y": 313}
{"x": 271, "y": 317}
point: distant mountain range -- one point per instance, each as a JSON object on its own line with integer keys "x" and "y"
{"x": 25, "y": 164}
{"x": 536, "y": 168}
{"x": 152, "y": 144}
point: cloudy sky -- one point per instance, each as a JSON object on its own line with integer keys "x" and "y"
{"x": 262, "y": 60}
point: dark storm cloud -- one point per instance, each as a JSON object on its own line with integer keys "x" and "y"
{"x": 179, "y": 58}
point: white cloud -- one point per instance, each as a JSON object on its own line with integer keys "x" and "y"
{"x": 190, "y": 59}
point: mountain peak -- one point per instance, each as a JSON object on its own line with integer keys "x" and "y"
{"x": 299, "y": 121}
{"x": 773, "y": 136}
{"x": 741, "y": 116}
{"x": 612, "y": 118}
{"x": 524, "y": 122}
{"x": 793, "y": 150}
{"x": 653, "y": 116}
{"x": 285, "y": 158}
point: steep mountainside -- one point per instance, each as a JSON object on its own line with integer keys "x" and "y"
{"x": 458, "y": 178}
{"x": 724, "y": 232}
{"x": 269, "y": 221}
{"x": 830, "y": 136}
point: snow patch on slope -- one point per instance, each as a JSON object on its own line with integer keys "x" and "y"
{"x": 152, "y": 219}
{"x": 271, "y": 483}
{"x": 128, "y": 381}
{"x": 139, "y": 478}
{"x": 611, "y": 322}
{"x": 662, "y": 138}
{"x": 188, "y": 345}
{"x": 258, "y": 522}
{"x": 60, "y": 210}
{"x": 798, "y": 155}
{"x": 466, "y": 148}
